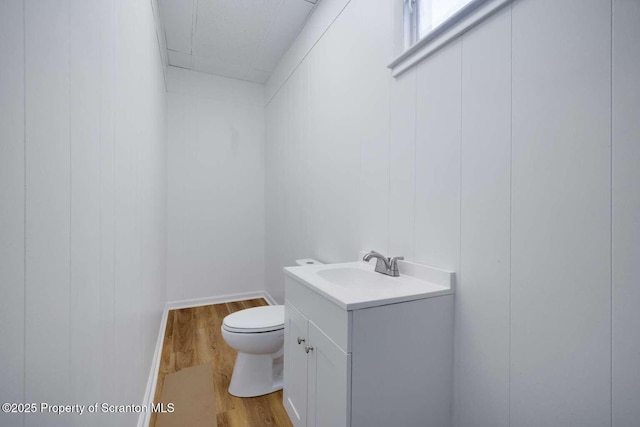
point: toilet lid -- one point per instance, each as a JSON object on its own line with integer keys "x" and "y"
{"x": 257, "y": 319}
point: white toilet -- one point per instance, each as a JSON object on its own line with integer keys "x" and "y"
{"x": 257, "y": 334}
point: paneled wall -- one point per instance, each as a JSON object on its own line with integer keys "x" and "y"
{"x": 560, "y": 213}
{"x": 510, "y": 156}
{"x": 12, "y": 206}
{"x": 82, "y": 196}
{"x": 215, "y": 191}
{"x": 625, "y": 213}
{"x": 327, "y": 178}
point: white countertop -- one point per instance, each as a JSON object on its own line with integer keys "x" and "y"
{"x": 355, "y": 285}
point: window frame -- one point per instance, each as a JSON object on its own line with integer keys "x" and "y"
{"x": 461, "y": 21}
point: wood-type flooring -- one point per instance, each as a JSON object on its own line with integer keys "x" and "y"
{"x": 193, "y": 337}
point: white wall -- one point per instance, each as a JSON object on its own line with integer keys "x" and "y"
{"x": 327, "y": 144}
{"x": 496, "y": 157}
{"x": 215, "y": 186}
{"x": 625, "y": 213}
{"x": 83, "y": 202}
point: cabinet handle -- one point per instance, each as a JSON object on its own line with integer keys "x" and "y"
{"x": 300, "y": 340}
{"x": 308, "y": 348}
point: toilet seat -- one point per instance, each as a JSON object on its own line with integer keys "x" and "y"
{"x": 255, "y": 320}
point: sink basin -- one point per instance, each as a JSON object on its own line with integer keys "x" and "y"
{"x": 355, "y": 285}
{"x": 355, "y": 278}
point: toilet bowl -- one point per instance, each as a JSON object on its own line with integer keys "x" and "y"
{"x": 257, "y": 334}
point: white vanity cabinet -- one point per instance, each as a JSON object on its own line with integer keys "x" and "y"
{"x": 366, "y": 365}
{"x": 317, "y": 370}
{"x": 296, "y": 333}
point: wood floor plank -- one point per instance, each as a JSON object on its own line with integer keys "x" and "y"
{"x": 259, "y": 302}
{"x": 222, "y": 419}
{"x": 183, "y": 330}
{"x": 221, "y": 310}
{"x": 235, "y": 418}
{"x": 280, "y": 417}
{"x": 211, "y": 316}
{"x": 235, "y": 306}
{"x": 184, "y": 359}
{"x": 259, "y": 411}
{"x": 193, "y": 337}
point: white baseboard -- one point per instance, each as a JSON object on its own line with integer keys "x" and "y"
{"x": 271, "y": 300}
{"x": 145, "y": 417}
{"x": 196, "y": 302}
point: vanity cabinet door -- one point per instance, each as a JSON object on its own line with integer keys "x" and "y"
{"x": 295, "y": 366}
{"x": 329, "y": 382}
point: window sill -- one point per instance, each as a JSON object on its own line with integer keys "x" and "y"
{"x": 440, "y": 36}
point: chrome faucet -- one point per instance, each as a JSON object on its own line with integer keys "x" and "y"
{"x": 384, "y": 265}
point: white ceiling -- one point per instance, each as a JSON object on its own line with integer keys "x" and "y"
{"x": 243, "y": 39}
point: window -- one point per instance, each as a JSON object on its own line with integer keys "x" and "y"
{"x": 425, "y": 26}
{"x": 421, "y": 17}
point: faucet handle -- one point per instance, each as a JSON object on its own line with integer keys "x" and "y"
{"x": 393, "y": 265}
{"x": 394, "y": 260}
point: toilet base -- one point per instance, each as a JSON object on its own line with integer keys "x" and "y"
{"x": 256, "y": 375}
